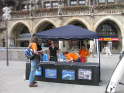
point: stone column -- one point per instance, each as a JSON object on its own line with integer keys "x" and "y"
{"x": 68, "y": 2}
{"x": 87, "y": 2}
{"x": 11, "y": 42}
{"x": 97, "y": 2}
{"x": 42, "y": 5}
{"x": 122, "y": 43}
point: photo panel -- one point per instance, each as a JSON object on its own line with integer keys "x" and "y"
{"x": 85, "y": 74}
{"x": 38, "y": 71}
{"x": 51, "y": 73}
{"x": 68, "y": 74}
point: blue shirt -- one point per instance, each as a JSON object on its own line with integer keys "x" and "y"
{"x": 45, "y": 57}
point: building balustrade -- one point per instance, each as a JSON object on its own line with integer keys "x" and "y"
{"x": 109, "y": 9}
{"x": 70, "y": 11}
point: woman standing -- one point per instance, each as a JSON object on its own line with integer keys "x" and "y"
{"x": 34, "y": 45}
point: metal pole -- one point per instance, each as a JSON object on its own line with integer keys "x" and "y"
{"x": 7, "y": 52}
{"x": 6, "y": 16}
{"x": 98, "y": 52}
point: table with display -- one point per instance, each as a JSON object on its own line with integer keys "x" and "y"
{"x": 63, "y": 72}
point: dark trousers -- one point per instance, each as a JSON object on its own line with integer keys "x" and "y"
{"x": 53, "y": 58}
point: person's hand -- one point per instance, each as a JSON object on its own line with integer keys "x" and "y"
{"x": 36, "y": 52}
{"x": 71, "y": 60}
{"x": 39, "y": 52}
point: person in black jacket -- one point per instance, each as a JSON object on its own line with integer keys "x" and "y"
{"x": 53, "y": 49}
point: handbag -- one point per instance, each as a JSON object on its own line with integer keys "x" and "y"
{"x": 29, "y": 53}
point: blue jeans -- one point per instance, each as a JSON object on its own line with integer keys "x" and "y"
{"x": 33, "y": 70}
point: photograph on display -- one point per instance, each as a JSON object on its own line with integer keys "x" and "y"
{"x": 85, "y": 74}
{"x": 38, "y": 71}
{"x": 68, "y": 74}
{"x": 51, "y": 73}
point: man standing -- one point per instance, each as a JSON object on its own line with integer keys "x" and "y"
{"x": 53, "y": 49}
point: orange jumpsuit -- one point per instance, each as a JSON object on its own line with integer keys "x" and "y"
{"x": 83, "y": 55}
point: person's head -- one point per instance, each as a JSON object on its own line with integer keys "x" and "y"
{"x": 83, "y": 47}
{"x": 52, "y": 43}
{"x": 66, "y": 52}
{"x": 34, "y": 39}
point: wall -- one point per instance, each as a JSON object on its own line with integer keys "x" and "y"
{"x": 14, "y": 54}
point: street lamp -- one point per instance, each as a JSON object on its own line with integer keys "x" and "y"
{"x": 6, "y": 16}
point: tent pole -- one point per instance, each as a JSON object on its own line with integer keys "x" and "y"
{"x": 98, "y": 52}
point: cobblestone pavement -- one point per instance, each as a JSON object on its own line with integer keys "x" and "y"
{"x": 12, "y": 79}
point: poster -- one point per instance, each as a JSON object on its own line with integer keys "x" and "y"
{"x": 51, "y": 73}
{"x": 68, "y": 74}
{"x": 85, "y": 74}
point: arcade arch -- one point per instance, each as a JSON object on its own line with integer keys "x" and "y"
{"x": 46, "y": 25}
{"x": 19, "y": 36}
{"x": 76, "y": 44}
{"x": 78, "y": 23}
{"x": 110, "y": 34}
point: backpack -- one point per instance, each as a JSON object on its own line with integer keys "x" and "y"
{"x": 29, "y": 53}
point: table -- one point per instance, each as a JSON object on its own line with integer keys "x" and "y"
{"x": 63, "y": 72}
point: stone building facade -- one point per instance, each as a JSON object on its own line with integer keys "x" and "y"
{"x": 106, "y": 17}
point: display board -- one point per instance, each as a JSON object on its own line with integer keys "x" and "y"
{"x": 74, "y": 73}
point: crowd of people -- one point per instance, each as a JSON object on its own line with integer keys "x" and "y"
{"x": 55, "y": 54}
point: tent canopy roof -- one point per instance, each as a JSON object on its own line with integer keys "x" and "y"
{"x": 67, "y": 32}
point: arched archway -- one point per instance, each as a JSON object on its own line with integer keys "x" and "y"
{"x": 20, "y": 35}
{"x": 110, "y": 34}
{"x": 78, "y": 23}
{"x": 44, "y": 25}
{"x": 76, "y": 44}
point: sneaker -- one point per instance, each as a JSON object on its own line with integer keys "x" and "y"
{"x": 32, "y": 85}
{"x": 34, "y": 82}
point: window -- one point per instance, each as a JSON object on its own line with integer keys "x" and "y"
{"x": 47, "y": 5}
{"x": 111, "y": 1}
{"x": 73, "y": 2}
{"x": 102, "y": 1}
{"x": 55, "y": 4}
{"x": 81, "y": 2}
{"x": 107, "y": 30}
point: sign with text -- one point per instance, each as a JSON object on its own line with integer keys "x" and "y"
{"x": 109, "y": 39}
{"x": 85, "y": 74}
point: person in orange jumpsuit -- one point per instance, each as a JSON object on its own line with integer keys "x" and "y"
{"x": 84, "y": 53}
